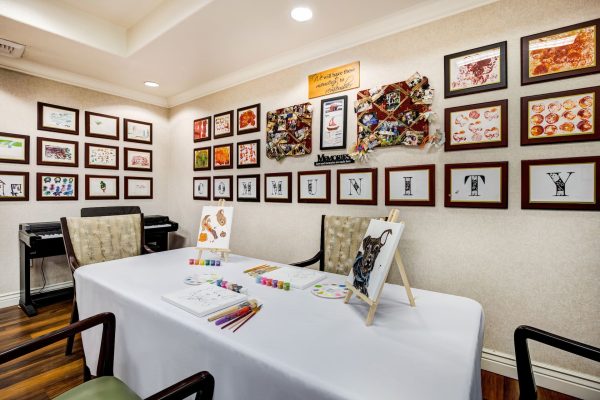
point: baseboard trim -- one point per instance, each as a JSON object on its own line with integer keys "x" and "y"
{"x": 561, "y": 380}
{"x": 12, "y": 298}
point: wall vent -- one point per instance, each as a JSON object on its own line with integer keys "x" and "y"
{"x": 11, "y": 49}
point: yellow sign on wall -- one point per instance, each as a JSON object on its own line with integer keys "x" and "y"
{"x": 334, "y": 80}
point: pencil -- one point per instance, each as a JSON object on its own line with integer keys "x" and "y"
{"x": 247, "y": 319}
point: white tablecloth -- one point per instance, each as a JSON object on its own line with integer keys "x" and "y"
{"x": 298, "y": 347}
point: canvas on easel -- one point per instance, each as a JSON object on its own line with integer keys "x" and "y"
{"x": 378, "y": 250}
{"x": 215, "y": 229}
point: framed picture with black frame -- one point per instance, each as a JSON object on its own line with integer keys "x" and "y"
{"x": 278, "y": 187}
{"x": 248, "y": 188}
{"x": 202, "y": 188}
{"x": 334, "y": 117}
{"x": 314, "y": 186}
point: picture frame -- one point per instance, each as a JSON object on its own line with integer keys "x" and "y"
{"x": 140, "y": 188}
{"x": 202, "y": 158}
{"x": 202, "y": 129}
{"x": 137, "y": 159}
{"x": 14, "y": 186}
{"x": 542, "y": 54}
{"x": 222, "y": 156}
{"x": 101, "y": 156}
{"x": 59, "y": 187}
{"x": 314, "y": 186}
{"x": 248, "y": 188}
{"x": 56, "y": 152}
{"x": 248, "y": 119}
{"x": 561, "y": 183}
{"x": 412, "y": 185}
{"x": 559, "y": 117}
{"x": 101, "y": 187}
{"x": 333, "y": 132}
{"x": 289, "y": 132}
{"x": 14, "y": 148}
{"x": 248, "y": 154}
{"x": 477, "y": 70}
{"x": 278, "y": 187}
{"x": 223, "y": 187}
{"x": 476, "y": 126}
{"x": 476, "y": 185}
{"x": 201, "y": 188}
{"x": 223, "y": 124}
{"x": 137, "y": 131}
{"x": 357, "y": 186}
{"x": 101, "y": 126}
{"x": 57, "y": 119}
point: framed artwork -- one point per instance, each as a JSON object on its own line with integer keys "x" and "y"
{"x": 62, "y": 153}
{"x": 14, "y": 148}
{"x": 215, "y": 227}
{"x": 357, "y": 186}
{"x": 289, "y": 131}
{"x": 314, "y": 186}
{"x": 202, "y": 128}
{"x": 101, "y": 187}
{"x": 202, "y": 159}
{"x": 475, "y": 71}
{"x": 138, "y": 159}
{"x": 201, "y": 188}
{"x": 101, "y": 126}
{"x": 138, "y": 188}
{"x": 248, "y": 119}
{"x": 223, "y": 124}
{"x": 568, "y": 116}
{"x": 334, "y": 114}
{"x": 560, "y": 53}
{"x": 248, "y": 154}
{"x": 394, "y": 114}
{"x": 248, "y": 188}
{"x": 58, "y": 119}
{"x": 223, "y": 187}
{"x": 14, "y": 186}
{"x": 410, "y": 186}
{"x": 57, "y": 186}
{"x": 278, "y": 187}
{"x": 476, "y": 185}
{"x": 222, "y": 156}
{"x": 137, "y": 131}
{"x": 561, "y": 183}
{"x": 476, "y": 126}
{"x": 101, "y": 156}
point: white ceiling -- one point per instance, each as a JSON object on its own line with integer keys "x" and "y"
{"x": 193, "y": 47}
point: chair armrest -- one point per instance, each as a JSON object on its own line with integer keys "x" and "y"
{"x": 147, "y": 250}
{"x": 314, "y": 259}
{"x": 202, "y": 384}
{"x": 107, "y": 347}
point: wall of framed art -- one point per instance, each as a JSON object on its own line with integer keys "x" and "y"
{"x": 448, "y": 249}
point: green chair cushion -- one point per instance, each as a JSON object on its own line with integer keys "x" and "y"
{"x": 104, "y": 387}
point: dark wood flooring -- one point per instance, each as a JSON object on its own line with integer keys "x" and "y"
{"x": 48, "y": 372}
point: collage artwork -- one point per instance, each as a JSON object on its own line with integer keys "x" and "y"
{"x": 289, "y": 131}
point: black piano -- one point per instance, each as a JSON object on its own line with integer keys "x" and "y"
{"x": 44, "y": 239}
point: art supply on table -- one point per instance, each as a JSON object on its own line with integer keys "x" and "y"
{"x": 299, "y": 278}
{"x": 260, "y": 269}
{"x": 242, "y": 311}
{"x": 330, "y": 290}
{"x": 197, "y": 279}
{"x": 204, "y": 299}
{"x": 237, "y": 318}
{"x": 252, "y": 314}
{"x": 274, "y": 283}
{"x": 204, "y": 262}
{"x": 230, "y": 286}
{"x": 252, "y": 303}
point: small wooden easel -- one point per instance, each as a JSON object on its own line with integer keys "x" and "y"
{"x": 393, "y": 217}
{"x": 224, "y": 252}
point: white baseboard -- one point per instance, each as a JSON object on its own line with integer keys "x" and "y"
{"x": 12, "y": 298}
{"x": 575, "y": 384}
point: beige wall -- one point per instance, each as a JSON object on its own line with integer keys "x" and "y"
{"x": 525, "y": 267}
{"x": 19, "y": 95}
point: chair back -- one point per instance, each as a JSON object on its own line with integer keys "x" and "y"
{"x": 104, "y": 211}
{"x": 91, "y": 240}
{"x": 340, "y": 240}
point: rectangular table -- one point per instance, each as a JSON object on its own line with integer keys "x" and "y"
{"x": 298, "y": 347}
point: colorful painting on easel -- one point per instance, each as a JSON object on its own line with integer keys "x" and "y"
{"x": 215, "y": 228}
{"x": 375, "y": 256}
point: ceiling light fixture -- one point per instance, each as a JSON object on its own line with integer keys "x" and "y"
{"x": 151, "y": 84}
{"x": 301, "y": 14}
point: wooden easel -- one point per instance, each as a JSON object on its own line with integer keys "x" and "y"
{"x": 224, "y": 252}
{"x": 393, "y": 217}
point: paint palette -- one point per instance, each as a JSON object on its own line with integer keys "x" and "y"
{"x": 198, "y": 279}
{"x": 330, "y": 290}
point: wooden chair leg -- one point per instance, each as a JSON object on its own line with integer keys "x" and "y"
{"x": 74, "y": 318}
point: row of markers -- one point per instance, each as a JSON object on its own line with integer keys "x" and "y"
{"x": 208, "y": 263}
{"x": 273, "y": 283}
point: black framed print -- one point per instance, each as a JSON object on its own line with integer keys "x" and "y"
{"x": 248, "y": 154}
{"x": 357, "y": 186}
{"x": 314, "y": 186}
{"x": 202, "y": 159}
{"x": 476, "y": 185}
{"x": 334, "y": 116}
{"x": 412, "y": 185}
{"x": 58, "y": 119}
{"x": 278, "y": 187}
{"x": 248, "y": 119}
{"x": 223, "y": 187}
{"x": 202, "y": 188}
{"x": 223, "y": 125}
{"x": 248, "y": 188}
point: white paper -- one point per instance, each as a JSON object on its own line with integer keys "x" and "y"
{"x": 204, "y": 299}
{"x": 299, "y": 278}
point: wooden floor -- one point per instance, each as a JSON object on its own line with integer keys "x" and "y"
{"x": 47, "y": 373}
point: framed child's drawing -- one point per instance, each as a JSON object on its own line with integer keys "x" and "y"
{"x": 202, "y": 128}
{"x": 215, "y": 228}
{"x": 248, "y": 154}
{"x": 248, "y": 119}
{"x": 138, "y": 159}
{"x": 101, "y": 187}
{"x": 202, "y": 188}
{"x": 223, "y": 124}
{"x": 14, "y": 148}
{"x": 476, "y": 126}
{"x": 14, "y": 186}
{"x": 138, "y": 131}
{"x": 58, "y": 119}
{"x": 57, "y": 186}
{"x": 202, "y": 159}
{"x": 222, "y": 156}
{"x": 138, "y": 187}
{"x": 101, "y": 126}
{"x": 56, "y": 152}
{"x": 101, "y": 156}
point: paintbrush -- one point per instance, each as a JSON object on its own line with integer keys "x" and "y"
{"x": 247, "y": 319}
{"x": 256, "y": 267}
{"x": 252, "y": 303}
{"x": 233, "y": 321}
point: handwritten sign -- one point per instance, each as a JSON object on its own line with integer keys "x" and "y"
{"x": 334, "y": 80}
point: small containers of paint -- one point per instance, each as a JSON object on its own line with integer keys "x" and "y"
{"x": 208, "y": 263}
{"x": 286, "y": 286}
{"x": 274, "y": 283}
{"x": 279, "y": 284}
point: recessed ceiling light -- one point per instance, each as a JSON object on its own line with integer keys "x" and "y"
{"x": 301, "y": 14}
{"x": 151, "y": 84}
